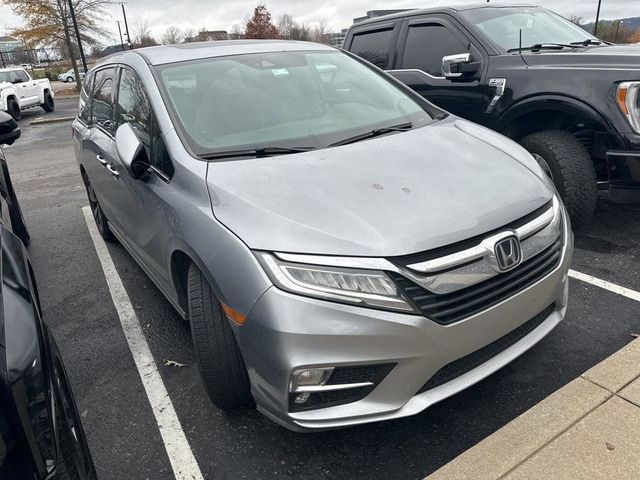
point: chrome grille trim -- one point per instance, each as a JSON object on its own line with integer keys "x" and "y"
{"x": 457, "y": 270}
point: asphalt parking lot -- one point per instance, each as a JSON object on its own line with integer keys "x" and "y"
{"x": 122, "y": 431}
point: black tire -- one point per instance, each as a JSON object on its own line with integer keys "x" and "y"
{"x": 14, "y": 109}
{"x": 48, "y": 105}
{"x": 571, "y": 169}
{"x": 74, "y": 460}
{"x": 96, "y": 210}
{"x": 219, "y": 359}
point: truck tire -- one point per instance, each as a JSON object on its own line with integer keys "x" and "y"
{"x": 14, "y": 109}
{"x": 219, "y": 359}
{"x": 571, "y": 169}
{"x": 48, "y": 105}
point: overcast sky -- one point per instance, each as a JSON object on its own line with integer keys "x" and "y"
{"x": 217, "y": 15}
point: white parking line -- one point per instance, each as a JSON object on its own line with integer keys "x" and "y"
{"x": 183, "y": 462}
{"x": 612, "y": 287}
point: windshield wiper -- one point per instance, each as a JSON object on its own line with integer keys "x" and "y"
{"x": 259, "y": 152}
{"x": 587, "y": 42}
{"x": 402, "y": 127}
{"x": 543, "y": 46}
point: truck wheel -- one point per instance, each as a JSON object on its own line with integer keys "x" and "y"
{"x": 221, "y": 366}
{"x": 569, "y": 164}
{"x": 14, "y": 109}
{"x": 48, "y": 105}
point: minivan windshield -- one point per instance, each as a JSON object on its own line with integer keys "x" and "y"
{"x": 299, "y": 100}
{"x": 539, "y": 27}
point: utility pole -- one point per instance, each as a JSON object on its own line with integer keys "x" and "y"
{"x": 615, "y": 40}
{"x": 595, "y": 28}
{"x": 120, "y": 32}
{"x": 126, "y": 25}
{"x": 75, "y": 27}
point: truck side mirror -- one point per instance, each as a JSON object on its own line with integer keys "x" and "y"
{"x": 9, "y": 129}
{"x": 455, "y": 66}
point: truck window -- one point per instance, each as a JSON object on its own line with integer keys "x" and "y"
{"x": 427, "y": 44}
{"x": 22, "y": 75}
{"x": 373, "y": 46}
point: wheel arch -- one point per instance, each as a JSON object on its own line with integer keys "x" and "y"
{"x": 560, "y": 111}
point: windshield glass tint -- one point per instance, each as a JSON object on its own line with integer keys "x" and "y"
{"x": 4, "y": 77}
{"x": 503, "y": 25}
{"x": 282, "y": 99}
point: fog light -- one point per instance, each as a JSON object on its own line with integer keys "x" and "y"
{"x": 302, "y": 398}
{"x": 309, "y": 377}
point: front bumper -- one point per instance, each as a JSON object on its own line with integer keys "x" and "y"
{"x": 285, "y": 332}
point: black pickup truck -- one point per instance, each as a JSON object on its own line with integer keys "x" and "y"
{"x": 572, "y": 100}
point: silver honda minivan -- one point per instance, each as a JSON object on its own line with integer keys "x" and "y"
{"x": 344, "y": 251}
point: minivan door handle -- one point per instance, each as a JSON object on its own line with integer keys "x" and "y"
{"x": 102, "y": 160}
{"x": 113, "y": 171}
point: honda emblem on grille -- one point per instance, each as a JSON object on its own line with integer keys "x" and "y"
{"x": 508, "y": 253}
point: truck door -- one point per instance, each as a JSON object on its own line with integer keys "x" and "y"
{"x": 422, "y": 44}
{"x": 27, "y": 89}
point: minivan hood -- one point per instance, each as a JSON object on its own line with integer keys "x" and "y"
{"x": 393, "y": 195}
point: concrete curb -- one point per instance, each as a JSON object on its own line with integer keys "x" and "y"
{"x": 42, "y": 121}
{"x": 524, "y": 437}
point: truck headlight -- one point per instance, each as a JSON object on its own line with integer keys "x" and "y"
{"x": 346, "y": 285}
{"x": 628, "y": 99}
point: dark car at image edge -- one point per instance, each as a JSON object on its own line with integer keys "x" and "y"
{"x": 572, "y": 100}
{"x": 41, "y": 436}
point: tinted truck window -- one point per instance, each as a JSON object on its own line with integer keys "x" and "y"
{"x": 427, "y": 44}
{"x": 373, "y": 46}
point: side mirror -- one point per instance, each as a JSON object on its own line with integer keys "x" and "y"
{"x": 454, "y": 66}
{"x": 9, "y": 129}
{"x": 131, "y": 152}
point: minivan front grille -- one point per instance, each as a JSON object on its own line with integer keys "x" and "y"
{"x": 452, "y": 307}
{"x": 467, "y": 363}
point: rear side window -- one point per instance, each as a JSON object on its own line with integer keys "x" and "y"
{"x": 427, "y": 44}
{"x": 134, "y": 108}
{"x": 102, "y": 99}
{"x": 84, "y": 105}
{"x": 22, "y": 75}
{"x": 373, "y": 46}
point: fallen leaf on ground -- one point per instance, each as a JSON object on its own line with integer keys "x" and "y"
{"x": 173, "y": 363}
{"x": 609, "y": 446}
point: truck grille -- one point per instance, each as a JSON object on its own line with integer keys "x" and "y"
{"x": 467, "y": 363}
{"x": 452, "y": 307}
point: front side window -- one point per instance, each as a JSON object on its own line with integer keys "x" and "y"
{"x": 283, "y": 99}
{"x": 373, "y": 46}
{"x": 5, "y": 77}
{"x": 427, "y": 44}
{"x": 538, "y": 26}
{"x": 134, "y": 108}
{"x": 102, "y": 99}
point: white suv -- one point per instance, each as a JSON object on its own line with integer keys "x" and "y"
{"x": 18, "y": 91}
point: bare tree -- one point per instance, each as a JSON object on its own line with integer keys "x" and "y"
{"x": 286, "y": 25}
{"x": 143, "y": 36}
{"x": 236, "y": 32}
{"x": 172, "y": 35}
{"x": 320, "y": 31}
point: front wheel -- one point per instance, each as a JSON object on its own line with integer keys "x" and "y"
{"x": 14, "y": 109}
{"x": 48, "y": 105}
{"x": 219, "y": 359}
{"x": 565, "y": 159}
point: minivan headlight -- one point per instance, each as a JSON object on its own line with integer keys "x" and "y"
{"x": 628, "y": 99}
{"x": 361, "y": 287}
